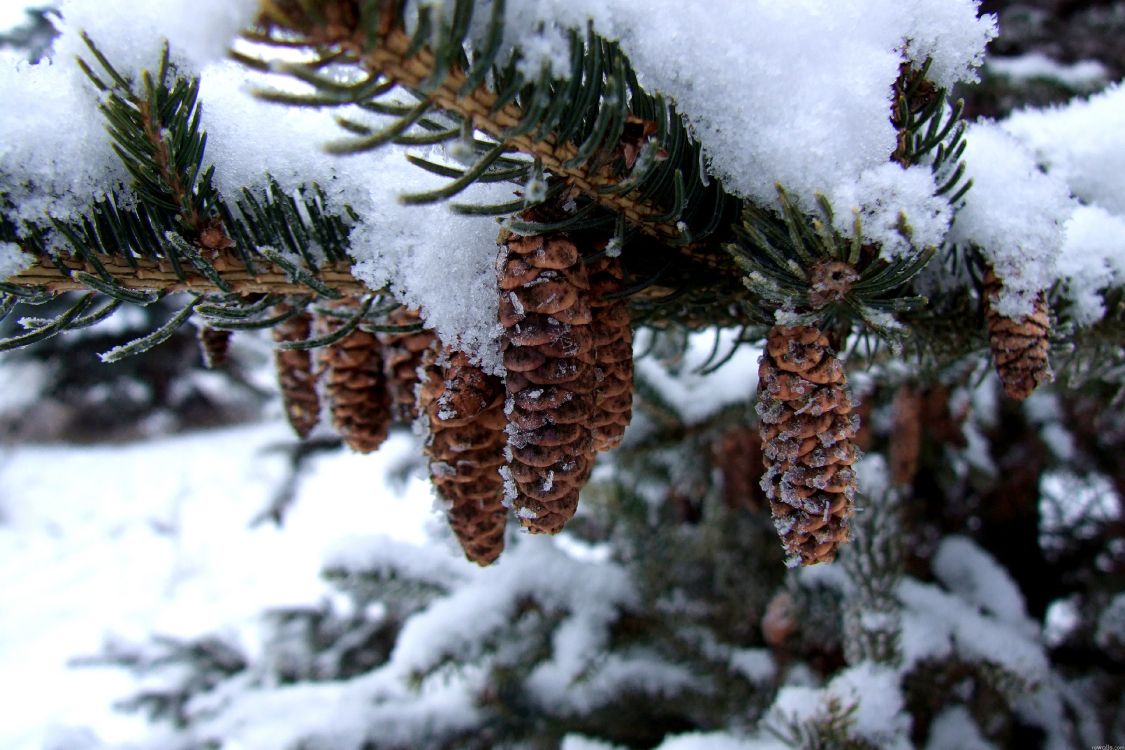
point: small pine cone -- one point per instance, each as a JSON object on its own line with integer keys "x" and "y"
{"x": 613, "y": 346}
{"x": 213, "y": 345}
{"x": 464, "y": 409}
{"x": 402, "y": 356}
{"x": 738, "y": 457}
{"x": 548, "y": 349}
{"x": 906, "y": 435}
{"x": 356, "y": 386}
{"x": 295, "y": 375}
{"x": 808, "y": 429}
{"x": 1019, "y": 346}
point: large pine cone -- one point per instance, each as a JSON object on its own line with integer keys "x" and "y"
{"x": 613, "y": 345}
{"x": 548, "y": 349}
{"x": 464, "y": 409}
{"x": 1019, "y": 346}
{"x": 402, "y": 356}
{"x": 295, "y": 375}
{"x": 356, "y": 385}
{"x": 807, "y": 428}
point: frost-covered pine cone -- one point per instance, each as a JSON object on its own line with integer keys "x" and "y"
{"x": 296, "y": 377}
{"x": 613, "y": 354}
{"x": 213, "y": 345}
{"x": 356, "y": 386}
{"x": 1019, "y": 346}
{"x": 548, "y": 349}
{"x": 464, "y": 410}
{"x": 807, "y": 428}
{"x": 402, "y": 356}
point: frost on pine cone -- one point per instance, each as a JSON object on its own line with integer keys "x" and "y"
{"x": 807, "y": 428}
{"x": 1019, "y": 345}
{"x": 464, "y": 409}
{"x": 295, "y": 375}
{"x": 402, "y": 356}
{"x": 613, "y": 346}
{"x": 548, "y": 349}
{"x": 356, "y": 386}
{"x": 213, "y": 345}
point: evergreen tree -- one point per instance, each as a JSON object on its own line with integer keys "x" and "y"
{"x": 693, "y": 600}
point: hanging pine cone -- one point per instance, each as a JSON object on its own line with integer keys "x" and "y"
{"x": 1019, "y": 346}
{"x": 906, "y": 435}
{"x": 402, "y": 356}
{"x": 464, "y": 409}
{"x": 213, "y": 345}
{"x": 295, "y": 375}
{"x": 356, "y": 386}
{"x": 548, "y": 349}
{"x": 737, "y": 456}
{"x": 613, "y": 359}
{"x": 807, "y": 430}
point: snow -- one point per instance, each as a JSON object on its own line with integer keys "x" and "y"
{"x": 976, "y": 577}
{"x": 1075, "y": 504}
{"x": 748, "y": 131}
{"x": 955, "y": 729}
{"x": 697, "y": 395}
{"x": 160, "y": 530}
{"x": 937, "y": 625}
{"x": 13, "y": 260}
{"x": 1081, "y": 143}
{"x": 1014, "y": 213}
{"x": 1110, "y": 635}
{"x": 885, "y": 195}
{"x": 1092, "y": 260}
{"x": 1084, "y": 74}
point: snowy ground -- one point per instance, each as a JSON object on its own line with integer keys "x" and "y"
{"x": 153, "y": 538}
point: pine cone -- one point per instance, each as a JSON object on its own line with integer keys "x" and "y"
{"x": 807, "y": 430}
{"x": 402, "y": 356}
{"x": 213, "y": 345}
{"x": 464, "y": 408}
{"x": 356, "y": 386}
{"x": 738, "y": 457}
{"x": 548, "y": 349}
{"x": 1019, "y": 346}
{"x": 295, "y": 375}
{"x": 613, "y": 363}
{"x": 906, "y": 435}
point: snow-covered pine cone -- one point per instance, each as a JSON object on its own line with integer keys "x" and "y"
{"x": 213, "y": 345}
{"x": 296, "y": 377}
{"x": 1019, "y": 346}
{"x": 548, "y": 349}
{"x": 464, "y": 409}
{"x": 613, "y": 354}
{"x": 356, "y": 385}
{"x": 402, "y": 355}
{"x": 807, "y": 428}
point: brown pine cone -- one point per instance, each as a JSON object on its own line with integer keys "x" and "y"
{"x": 356, "y": 385}
{"x": 464, "y": 409}
{"x": 906, "y": 435}
{"x": 402, "y": 356}
{"x": 1019, "y": 346}
{"x": 295, "y": 375}
{"x": 738, "y": 457}
{"x": 613, "y": 346}
{"x": 213, "y": 345}
{"x": 807, "y": 428}
{"x": 548, "y": 349}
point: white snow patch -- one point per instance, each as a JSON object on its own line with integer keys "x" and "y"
{"x": 974, "y": 575}
{"x": 13, "y": 260}
{"x": 955, "y": 729}
{"x": 1092, "y": 261}
{"x": 1082, "y": 143}
{"x": 1084, "y": 74}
